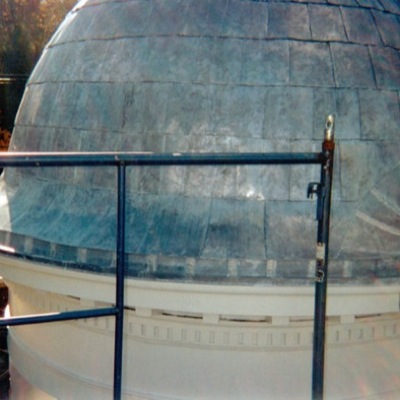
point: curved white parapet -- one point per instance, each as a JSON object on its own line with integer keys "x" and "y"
{"x": 203, "y": 299}
{"x": 200, "y": 341}
{"x": 179, "y": 357}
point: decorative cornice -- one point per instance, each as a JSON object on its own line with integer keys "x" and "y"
{"x": 224, "y": 332}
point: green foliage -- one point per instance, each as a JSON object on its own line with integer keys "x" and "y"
{"x": 26, "y": 26}
{"x": 5, "y": 137}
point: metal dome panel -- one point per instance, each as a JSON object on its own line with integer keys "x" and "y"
{"x": 225, "y": 75}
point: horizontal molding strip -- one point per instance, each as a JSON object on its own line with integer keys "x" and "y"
{"x": 209, "y": 299}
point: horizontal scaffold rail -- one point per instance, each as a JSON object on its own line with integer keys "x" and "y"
{"x": 59, "y": 316}
{"x": 64, "y": 159}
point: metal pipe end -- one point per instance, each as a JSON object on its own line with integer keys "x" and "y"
{"x": 330, "y": 127}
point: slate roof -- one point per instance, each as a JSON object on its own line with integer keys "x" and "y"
{"x": 214, "y": 75}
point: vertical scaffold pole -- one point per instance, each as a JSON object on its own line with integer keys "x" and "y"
{"x": 322, "y": 257}
{"x": 120, "y": 278}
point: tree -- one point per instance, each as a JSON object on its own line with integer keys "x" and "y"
{"x": 25, "y": 28}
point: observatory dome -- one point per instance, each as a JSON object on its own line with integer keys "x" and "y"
{"x": 220, "y": 260}
{"x": 214, "y": 76}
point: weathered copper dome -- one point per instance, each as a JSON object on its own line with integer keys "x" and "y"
{"x": 214, "y": 75}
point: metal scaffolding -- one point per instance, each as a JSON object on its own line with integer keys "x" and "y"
{"x": 322, "y": 189}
